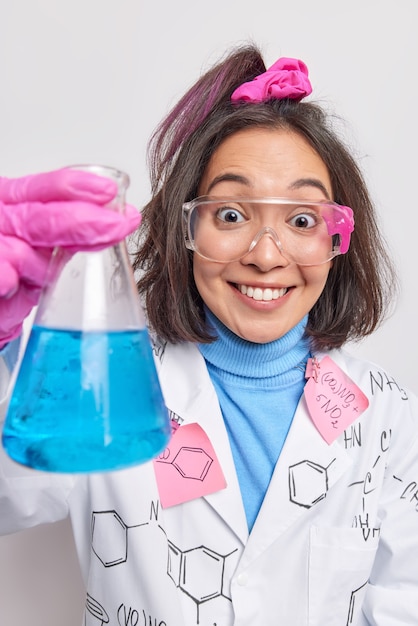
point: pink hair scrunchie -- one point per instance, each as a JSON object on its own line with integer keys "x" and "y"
{"x": 286, "y": 78}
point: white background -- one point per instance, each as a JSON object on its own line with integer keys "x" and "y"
{"x": 88, "y": 80}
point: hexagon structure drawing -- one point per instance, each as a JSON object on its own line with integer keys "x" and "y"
{"x": 192, "y": 463}
{"x": 308, "y": 483}
{"x": 174, "y": 563}
{"x": 109, "y": 538}
{"x": 198, "y": 572}
{"x": 356, "y": 601}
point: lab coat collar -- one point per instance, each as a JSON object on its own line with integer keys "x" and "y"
{"x": 306, "y": 470}
{"x": 188, "y": 393}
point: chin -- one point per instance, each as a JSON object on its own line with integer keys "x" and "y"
{"x": 260, "y": 336}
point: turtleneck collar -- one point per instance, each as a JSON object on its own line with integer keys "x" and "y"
{"x": 277, "y": 362}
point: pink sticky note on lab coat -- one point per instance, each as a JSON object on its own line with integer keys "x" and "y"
{"x": 188, "y": 468}
{"x": 334, "y": 400}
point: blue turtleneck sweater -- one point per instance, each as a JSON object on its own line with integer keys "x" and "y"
{"x": 258, "y": 387}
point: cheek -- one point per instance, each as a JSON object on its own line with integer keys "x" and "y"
{"x": 202, "y": 276}
{"x": 212, "y": 287}
{"x": 316, "y": 277}
{"x": 205, "y": 273}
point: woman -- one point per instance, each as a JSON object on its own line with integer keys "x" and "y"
{"x": 277, "y": 501}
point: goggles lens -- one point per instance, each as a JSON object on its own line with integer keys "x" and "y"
{"x": 305, "y": 232}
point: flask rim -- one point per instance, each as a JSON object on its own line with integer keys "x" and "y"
{"x": 120, "y": 177}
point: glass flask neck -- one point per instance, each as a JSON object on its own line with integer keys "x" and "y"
{"x": 95, "y": 290}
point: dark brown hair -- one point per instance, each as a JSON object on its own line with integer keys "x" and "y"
{"x": 356, "y": 295}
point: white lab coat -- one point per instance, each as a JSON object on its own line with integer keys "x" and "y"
{"x": 335, "y": 543}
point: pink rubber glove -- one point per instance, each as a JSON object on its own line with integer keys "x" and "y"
{"x": 42, "y": 211}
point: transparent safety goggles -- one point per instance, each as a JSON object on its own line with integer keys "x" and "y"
{"x": 305, "y": 232}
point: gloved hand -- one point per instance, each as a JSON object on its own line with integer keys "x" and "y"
{"x": 39, "y": 212}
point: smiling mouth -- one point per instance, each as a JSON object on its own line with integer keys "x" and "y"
{"x": 257, "y": 293}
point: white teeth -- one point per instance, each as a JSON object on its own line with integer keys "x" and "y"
{"x": 261, "y": 294}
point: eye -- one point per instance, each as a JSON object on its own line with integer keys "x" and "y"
{"x": 304, "y": 220}
{"x": 230, "y": 215}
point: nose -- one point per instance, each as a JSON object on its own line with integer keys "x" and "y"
{"x": 266, "y": 251}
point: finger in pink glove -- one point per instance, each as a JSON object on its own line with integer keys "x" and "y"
{"x": 64, "y": 208}
{"x": 22, "y": 273}
{"x": 40, "y": 212}
{"x": 14, "y": 310}
{"x": 20, "y": 263}
{"x": 62, "y": 184}
{"x": 76, "y": 225}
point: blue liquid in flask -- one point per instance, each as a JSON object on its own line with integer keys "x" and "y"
{"x": 85, "y": 402}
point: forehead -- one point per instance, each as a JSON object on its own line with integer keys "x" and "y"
{"x": 264, "y": 162}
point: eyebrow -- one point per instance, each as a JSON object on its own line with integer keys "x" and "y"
{"x": 297, "y": 184}
{"x": 235, "y": 178}
{"x": 310, "y": 182}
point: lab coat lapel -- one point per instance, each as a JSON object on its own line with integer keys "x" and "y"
{"x": 189, "y": 393}
{"x": 306, "y": 471}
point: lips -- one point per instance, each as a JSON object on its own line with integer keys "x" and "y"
{"x": 264, "y": 294}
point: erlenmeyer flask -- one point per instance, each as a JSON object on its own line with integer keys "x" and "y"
{"x": 87, "y": 396}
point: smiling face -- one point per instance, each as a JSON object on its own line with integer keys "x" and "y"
{"x": 263, "y": 295}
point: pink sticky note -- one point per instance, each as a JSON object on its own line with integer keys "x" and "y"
{"x": 188, "y": 468}
{"x": 334, "y": 400}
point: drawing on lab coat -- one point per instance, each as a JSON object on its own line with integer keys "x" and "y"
{"x": 199, "y": 572}
{"x": 354, "y": 603}
{"x": 158, "y": 347}
{"x": 382, "y": 381}
{"x": 370, "y": 482}
{"x": 95, "y": 614}
{"x": 410, "y": 492}
{"x": 109, "y": 537}
{"x": 308, "y": 483}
